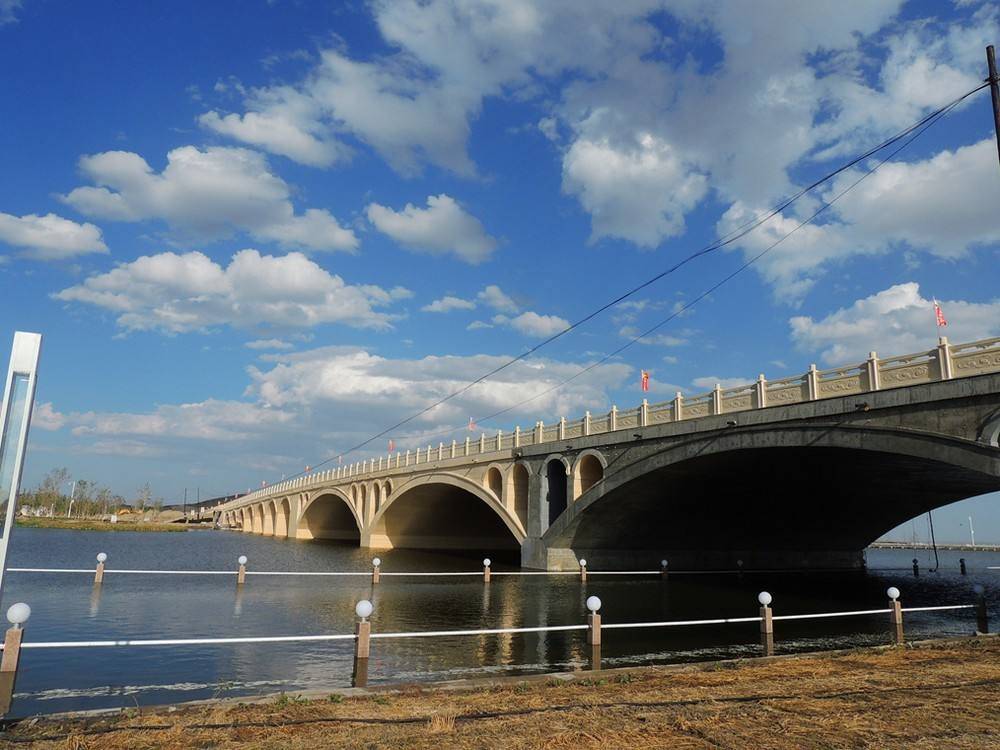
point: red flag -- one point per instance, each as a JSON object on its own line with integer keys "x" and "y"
{"x": 472, "y": 425}
{"x": 392, "y": 445}
{"x": 340, "y": 460}
{"x": 307, "y": 470}
{"x": 939, "y": 314}
{"x": 645, "y": 380}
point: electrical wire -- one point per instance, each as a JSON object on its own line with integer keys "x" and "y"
{"x": 907, "y": 135}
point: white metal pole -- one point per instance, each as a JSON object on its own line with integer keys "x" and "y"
{"x": 15, "y": 419}
{"x": 972, "y": 531}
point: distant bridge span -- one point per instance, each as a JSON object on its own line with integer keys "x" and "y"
{"x": 799, "y": 472}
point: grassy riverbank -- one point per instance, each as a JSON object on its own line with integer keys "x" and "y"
{"x": 94, "y": 524}
{"x": 941, "y": 695}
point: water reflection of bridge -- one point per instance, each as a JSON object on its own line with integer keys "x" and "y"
{"x": 798, "y": 472}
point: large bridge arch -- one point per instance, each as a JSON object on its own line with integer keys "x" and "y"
{"x": 444, "y": 511}
{"x": 784, "y": 495}
{"x": 329, "y": 514}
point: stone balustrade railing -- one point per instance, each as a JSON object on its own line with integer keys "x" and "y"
{"x": 944, "y": 362}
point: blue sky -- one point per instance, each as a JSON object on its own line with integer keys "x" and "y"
{"x": 254, "y": 233}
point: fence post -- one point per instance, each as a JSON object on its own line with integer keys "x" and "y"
{"x": 760, "y": 391}
{"x": 982, "y": 618}
{"x": 895, "y": 615}
{"x": 678, "y": 407}
{"x": 486, "y": 570}
{"x": 99, "y": 571}
{"x": 766, "y": 623}
{"x": 613, "y": 418}
{"x": 362, "y": 643}
{"x": 241, "y": 576}
{"x": 583, "y": 569}
{"x": 594, "y": 631}
{"x": 663, "y": 569}
{"x": 644, "y": 413}
{"x": 812, "y": 383}
{"x": 376, "y": 567}
{"x": 916, "y": 567}
{"x": 586, "y": 423}
{"x": 17, "y": 615}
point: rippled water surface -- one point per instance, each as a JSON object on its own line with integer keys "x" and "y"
{"x": 67, "y": 607}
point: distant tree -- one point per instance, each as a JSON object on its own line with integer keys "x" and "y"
{"x": 144, "y": 497}
{"x": 50, "y": 491}
{"x": 104, "y": 501}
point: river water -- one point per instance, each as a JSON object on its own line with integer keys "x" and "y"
{"x": 68, "y": 607}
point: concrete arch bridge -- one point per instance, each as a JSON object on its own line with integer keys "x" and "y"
{"x": 800, "y": 472}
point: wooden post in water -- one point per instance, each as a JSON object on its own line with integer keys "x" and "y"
{"x": 99, "y": 571}
{"x": 766, "y": 623}
{"x": 241, "y": 576}
{"x": 982, "y": 617}
{"x": 486, "y": 570}
{"x": 362, "y": 643}
{"x": 594, "y": 631}
{"x": 663, "y": 570}
{"x": 583, "y": 570}
{"x": 376, "y": 569}
{"x": 18, "y": 614}
{"x": 895, "y": 615}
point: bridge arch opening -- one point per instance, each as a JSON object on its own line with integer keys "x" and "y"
{"x": 588, "y": 471}
{"x": 363, "y": 492}
{"x": 377, "y": 496}
{"x": 258, "y": 519}
{"x": 445, "y": 512}
{"x": 329, "y": 516}
{"x": 555, "y": 488}
{"x": 282, "y": 518}
{"x": 815, "y": 498}
{"x": 268, "y": 526}
{"x": 494, "y": 482}
{"x": 519, "y": 489}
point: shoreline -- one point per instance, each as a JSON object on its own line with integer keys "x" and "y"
{"x": 729, "y": 703}
{"x": 95, "y": 524}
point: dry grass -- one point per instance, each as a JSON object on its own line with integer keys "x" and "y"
{"x": 942, "y": 696}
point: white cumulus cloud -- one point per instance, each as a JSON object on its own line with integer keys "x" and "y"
{"x": 50, "y": 237}
{"x": 205, "y": 194}
{"x": 897, "y": 320}
{"x": 176, "y": 293}
{"x": 639, "y": 192}
{"x": 533, "y": 324}
{"x": 442, "y": 228}
{"x": 449, "y": 303}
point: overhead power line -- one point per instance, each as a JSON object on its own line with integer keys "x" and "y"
{"x": 906, "y": 136}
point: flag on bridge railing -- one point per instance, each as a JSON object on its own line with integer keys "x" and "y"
{"x": 645, "y": 380}
{"x": 392, "y": 445}
{"x": 340, "y": 460}
{"x": 939, "y": 314}
{"x": 472, "y": 425}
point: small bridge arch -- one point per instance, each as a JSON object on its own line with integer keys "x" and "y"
{"x": 329, "y": 514}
